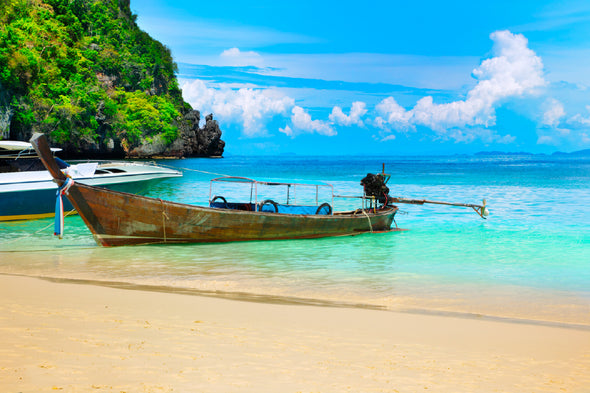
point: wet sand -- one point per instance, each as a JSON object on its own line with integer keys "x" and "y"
{"x": 79, "y": 338}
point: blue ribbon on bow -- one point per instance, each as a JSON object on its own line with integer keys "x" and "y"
{"x": 59, "y": 207}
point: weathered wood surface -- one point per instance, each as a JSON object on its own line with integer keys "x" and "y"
{"x": 117, "y": 218}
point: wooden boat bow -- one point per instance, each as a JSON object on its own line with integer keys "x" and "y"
{"x": 41, "y": 146}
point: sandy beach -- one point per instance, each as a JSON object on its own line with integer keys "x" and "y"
{"x": 78, "y": 338}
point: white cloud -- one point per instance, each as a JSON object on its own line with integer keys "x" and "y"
{"x": 357, "y": 111}
{"x": 569, "y": 133}
{"x": 408, "y": 70}
{"x": 236, "y": 58}
{"x": 393, "y": 114}
{"x": 515, "y": 70}
{"x": 579, "y": 120}
{"x": 486, "y": 135}
{"x": 553, "y": 112}
{"x": 506, "y": 139}
{"x": 302, "y": 121}
{"x": 581, "y": 129}
{"x": 287, "y": 131}
{"x": 546, "y": 140}
{"x": 253, "y": 108}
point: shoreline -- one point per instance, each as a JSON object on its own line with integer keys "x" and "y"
{"x": 304, "y": 301}
{"x": 533, "y": 306}
{"x": 80, "y": 337}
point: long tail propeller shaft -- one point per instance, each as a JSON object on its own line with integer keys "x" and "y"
{"x": 481, "y": 210}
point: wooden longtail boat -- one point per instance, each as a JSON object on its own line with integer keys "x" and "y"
{"x": 118, "y": 218}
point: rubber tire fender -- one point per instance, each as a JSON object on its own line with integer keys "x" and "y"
{"x": 216, "y": 197}
{"x": 270, "y": 202}
{"x": 320, "y": 207}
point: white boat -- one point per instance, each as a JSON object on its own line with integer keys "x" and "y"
{"x": 27, "y": 189}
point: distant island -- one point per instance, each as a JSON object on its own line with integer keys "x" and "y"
{"x": 84, "y": 74}
{"x": 503, "y": 153}
{"x": 579, "y": 153}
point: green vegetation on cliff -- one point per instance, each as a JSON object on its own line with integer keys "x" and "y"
{"x": 82, "y": 72}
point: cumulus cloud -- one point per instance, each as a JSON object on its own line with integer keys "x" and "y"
{"x": 253, "y": 108}
{"x": 287, "y": 130}
{"x": 554, "y": 111}
{"x": 513, "y": 71}
{"x": 546, "y": 140}
{"x": 559, "y": 130}
{"x": 581, "y": 128}
{"x": 486, "y": 135}
{"x": 235, "y": 57}
{"x": 302, "y": 121}
{"x": 393, "y": 114}
{"x": 579, "y": 120}
{"x": 357, "y": 111}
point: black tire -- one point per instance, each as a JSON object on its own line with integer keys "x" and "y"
{"x": 216, "y": 197}
{"x": 269, "y": 202}
{"x": 323, "y": 205}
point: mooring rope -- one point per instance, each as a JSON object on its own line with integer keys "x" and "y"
{"x": 192, "y": 170}
{"x": 164, "y": 218}
{"x": 47, "y": 249}
{"x": 368, "y": 218}
{"x": 38, "y": 231}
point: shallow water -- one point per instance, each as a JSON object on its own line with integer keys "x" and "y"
{"x": 530, "y": 260}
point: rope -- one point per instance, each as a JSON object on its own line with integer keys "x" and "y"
{"x": 36, "y": 232}
{"x": 164, "y": 218}
{"x": 368, "y": 218}
{"x": 45, "y": 249}
{"x": 193, "y": 170}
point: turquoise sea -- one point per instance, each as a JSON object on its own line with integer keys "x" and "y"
{"x": 529, "y": 261}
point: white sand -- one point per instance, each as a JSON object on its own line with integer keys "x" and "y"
{"x": 80, "y": 338}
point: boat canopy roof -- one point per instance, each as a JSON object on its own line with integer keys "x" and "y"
{"x": 237, "y": 179}
{"x": 16, "y": 146}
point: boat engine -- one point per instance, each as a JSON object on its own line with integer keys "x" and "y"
{"x": 375, "y": 186}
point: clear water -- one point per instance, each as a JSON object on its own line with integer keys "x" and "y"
{"x": 530, "y": 260}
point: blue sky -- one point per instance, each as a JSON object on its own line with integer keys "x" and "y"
{"x": 388, "y": 77}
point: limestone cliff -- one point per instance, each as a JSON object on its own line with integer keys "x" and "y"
{"x": 193, "y": 141}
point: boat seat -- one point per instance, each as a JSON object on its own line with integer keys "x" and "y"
{"x": 268, "y": 208}
{"x": 299, "y": 209}
{"x": 233, "y": 206}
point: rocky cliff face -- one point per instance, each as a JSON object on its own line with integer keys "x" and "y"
{"x": 192, "y": 142}
{"x": 201, "y": 142}
{"x": 6, "y": 112}
{"x": 209, "y": 141}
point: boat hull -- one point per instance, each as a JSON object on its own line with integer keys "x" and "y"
{"x": 117, "y": 219}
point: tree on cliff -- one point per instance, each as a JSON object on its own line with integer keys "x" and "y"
{"x": 82, "y": 72}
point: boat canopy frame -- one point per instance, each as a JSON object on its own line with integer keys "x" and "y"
{"x": 291, "y": 188}
{"x": 367, "y": 202}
